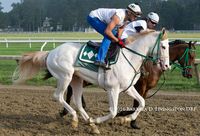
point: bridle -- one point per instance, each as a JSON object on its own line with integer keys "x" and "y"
{"x": 186, "y": 67}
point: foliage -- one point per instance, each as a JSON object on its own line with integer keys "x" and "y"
{"x": 71, "y": 14}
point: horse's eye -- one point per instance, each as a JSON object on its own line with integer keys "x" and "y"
{"x": 163, "y": 47}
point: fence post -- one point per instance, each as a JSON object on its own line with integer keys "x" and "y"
{"x": 197, "y": 73}
{"x": 54, "y": 44}
{"x": 29, "y": 42}
{"x": 41, "y": 49}
{"x": 6, "y": 43}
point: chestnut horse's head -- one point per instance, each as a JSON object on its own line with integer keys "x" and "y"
{"x": 184, "y": 53}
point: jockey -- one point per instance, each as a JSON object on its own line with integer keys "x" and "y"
{"x": 107, "y": 22}
{"x": 149, "y": 22}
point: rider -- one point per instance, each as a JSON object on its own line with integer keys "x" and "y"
{"x": 149, "y": 22}
{"x": 107, "y": 22}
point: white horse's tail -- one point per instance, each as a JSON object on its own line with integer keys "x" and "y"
{"x": 29, "y": 65}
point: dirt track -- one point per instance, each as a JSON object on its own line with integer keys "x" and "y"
{"x": 32, "y": 111}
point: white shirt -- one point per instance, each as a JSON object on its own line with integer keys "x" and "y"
{"x": 130, "y": 28}
{"x": 105, "y": 15}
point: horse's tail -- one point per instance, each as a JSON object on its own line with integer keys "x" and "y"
{"x": 29, "y": 65}
{"x": 47, "y": 75}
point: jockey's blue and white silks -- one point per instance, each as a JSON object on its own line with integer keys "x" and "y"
{"x": 99, "y": 19}
{"x": 105, "y": 15}
{"x": 100, "y": 27}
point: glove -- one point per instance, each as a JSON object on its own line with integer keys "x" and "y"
{"x": 121, "y": 43}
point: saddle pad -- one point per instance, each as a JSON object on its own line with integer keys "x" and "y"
{"x": 87, "y": 57}
{"x": 88, "y": 54}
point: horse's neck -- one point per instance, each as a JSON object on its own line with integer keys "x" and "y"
{"x": 144, "y": 44}
{"x": 175, "y": 52}
{"x": 141, "y": 46}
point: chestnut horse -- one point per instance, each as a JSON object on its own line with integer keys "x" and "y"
{"x": 182, "y": 55}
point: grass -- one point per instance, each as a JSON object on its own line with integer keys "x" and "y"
{"x": 55, "y": 35}
{"x": 174, "y": 80}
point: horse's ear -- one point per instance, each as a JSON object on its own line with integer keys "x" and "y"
{"x": 163, "y": 30}
{"x": 164, "y": 37}
{"x": 192, "y": 44}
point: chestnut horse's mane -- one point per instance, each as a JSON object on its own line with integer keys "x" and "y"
{"x": 182, "y": 43}
{"x": 177, "y": 42}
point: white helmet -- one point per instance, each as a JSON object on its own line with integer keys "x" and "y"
{"x": 153, "y": 17}
{"x": 135, "y": 9}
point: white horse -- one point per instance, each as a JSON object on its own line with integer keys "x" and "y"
{"x": 60, "y": 62}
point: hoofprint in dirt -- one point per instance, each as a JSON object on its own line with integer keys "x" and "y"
{"x": 29, "y": 110}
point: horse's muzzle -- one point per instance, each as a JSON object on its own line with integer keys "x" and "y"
{"x": 164, "y": 66}
{"x": 187, "y": 73}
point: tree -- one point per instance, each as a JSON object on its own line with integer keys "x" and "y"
{"x": 72, "y": 14}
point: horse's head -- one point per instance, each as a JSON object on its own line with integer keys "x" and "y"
{"x": 162, "y": 51}
{"x": 184, "y": 53}
{"x": 152, "y": 45}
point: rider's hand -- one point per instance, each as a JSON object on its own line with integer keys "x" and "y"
{"x": 121, "y": 43}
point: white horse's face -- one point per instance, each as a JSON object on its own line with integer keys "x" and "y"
{"x": 164, "y": 54}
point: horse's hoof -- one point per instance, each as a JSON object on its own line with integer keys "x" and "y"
{"x": 58, "y": 117}
{"x": 123, "y": 120}
{"x": 74, "y": 123}
{"x": 134, "y": 125}
{"x": 95, "y": 130}
{"x": 63, "y": 113}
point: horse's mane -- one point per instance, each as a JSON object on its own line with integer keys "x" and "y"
{"x": 177, "y": 42}
{"x": 181, "y": 43}
{"x": 133, "y": 37}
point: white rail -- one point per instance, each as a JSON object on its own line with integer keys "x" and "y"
{"x": 72, "y": 40}
{"x": 30, "y": 41}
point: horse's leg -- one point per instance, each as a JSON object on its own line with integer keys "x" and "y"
{"x": 62, "y": 86}
{"x": 113, "y": 102}
{"x": 140, "y": 86}
{"x": 142, "y": 90}
{"x": 77, "y": 86}
{"x": 133, "y": 93}
{"x": 83, "y": 102}
{"x": 68, "y": 99}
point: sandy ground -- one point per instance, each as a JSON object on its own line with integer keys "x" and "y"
{"x": 31, "y": 111}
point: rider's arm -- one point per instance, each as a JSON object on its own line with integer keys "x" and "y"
{"x": 115, "y": 21}
{"x": 121, "y": 29}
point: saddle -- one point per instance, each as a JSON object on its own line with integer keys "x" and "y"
{"x": 112, "y": 51}
{"x": 89, "y": 51}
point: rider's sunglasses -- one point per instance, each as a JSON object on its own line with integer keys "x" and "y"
{"x": 152, "y": 22}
